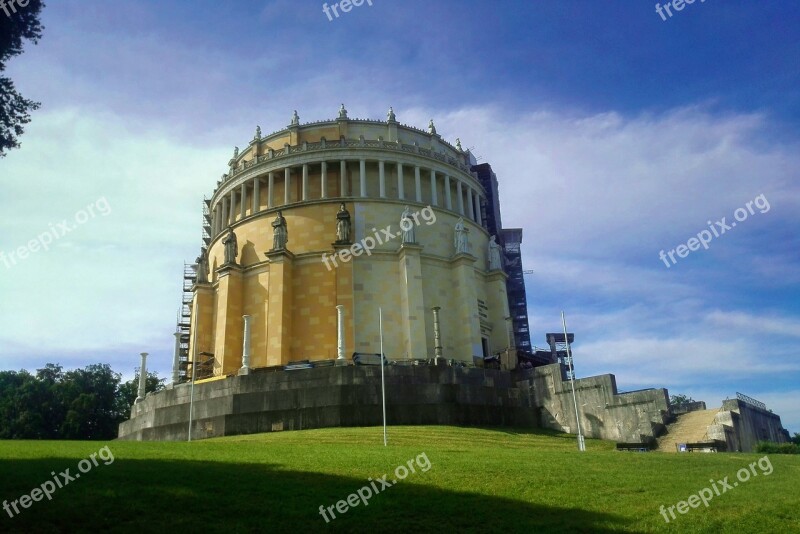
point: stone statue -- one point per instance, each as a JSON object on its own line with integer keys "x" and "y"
{"x": 407, "y": 226}
{"x": 342, "y": 112}
{"x": 231, "y": 247}
{"x": 280, "y": 234}
{"x": 431, "y": 127}
{"x": 458, "y": 145}
{"x": 390, "y": 117}
{"x": 461, "y": 237}
{"x": 202, "y": 267}
{"x": 343, "y": 225}
{"x": 258, "y": 133}
{"x": 494, "y": 255}
{"x": 235, "y": 152}
{"x": 295, "y": 118}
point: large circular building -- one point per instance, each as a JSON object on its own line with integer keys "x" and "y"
{"x": 317, "y": 226}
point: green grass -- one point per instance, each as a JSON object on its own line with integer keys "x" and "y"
{"x": 480, "y": 480}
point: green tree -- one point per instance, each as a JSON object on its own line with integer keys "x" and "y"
{"x": 680, "y": 400}
{"x": 128, "y": 392}
{"x": 16, "y": 24}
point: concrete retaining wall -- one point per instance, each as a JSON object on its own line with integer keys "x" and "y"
{"x": 334, "y": 396}
{"x": 633, "y": 417}
{"x": 742, "y": 426}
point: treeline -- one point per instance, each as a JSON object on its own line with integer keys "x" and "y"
{"x": 82, "y": 404}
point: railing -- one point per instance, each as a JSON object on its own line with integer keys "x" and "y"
{"x": 751, "y": 401}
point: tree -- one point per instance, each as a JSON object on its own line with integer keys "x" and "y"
{"x": 128, "y": 391}
{"x": 680, "y": 400}
{"x": 17, "y": 23}
{"x": 796, "y": 438}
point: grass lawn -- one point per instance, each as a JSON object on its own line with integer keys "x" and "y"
{"x": 464, "y": 479}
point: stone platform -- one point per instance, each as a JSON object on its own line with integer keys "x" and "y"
{"x": 267, "y": 401}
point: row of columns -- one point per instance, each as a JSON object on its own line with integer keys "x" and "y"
{"x": 224, "y": 214}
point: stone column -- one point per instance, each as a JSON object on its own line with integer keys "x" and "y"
{"x": 324, "y": 180}
{"x": 233, "y": 207}
{"x": 279, "y": 306}
{"x": 434, "y": 192}
{"x": 465, "y": 312}
{"x": 417, "y": 185}
{"x": 227, "y": 336}
{"x": 447, "y": 196}
{"x": 242, "y": 200}
{"x": 382, "y": 178}
{"x": 245, "y": 370}
{"x": 412, "y": 302}
{"x": 400, "y": 193}
{"x": 287, "y": 185}
{"x": 459, "y": 193}
{"x": 270, "y": 188}
{"x": 362, "y": 175}
{"x": 176, "y": 359}
{"x": 437, "y": 335}
{"x": 142, "y": 379}
{"x": 256, "y": 195}
{"x": 343, "y": 178}
{"x": 340, "y": 357}
{"x": 305, "y": 182}
{"x": 470, "y": 206}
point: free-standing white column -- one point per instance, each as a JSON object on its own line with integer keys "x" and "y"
{"x": 417, "y": 185}
{"x": 142, "y": 379}
{"x": 382, "y": 178}
{"x": 242, "y": 200}
{"x": 340, "y": 334}
{"x": 470, "y": 205}
{"x": 256, "y": 195}
{"x": 460, "y": 197}
{"x": 270, "y": 187}
{"x": 434, "y": 192}
{"x": 287, "y": 185}
{"x": 437, "y": 336}
{"x": 400, "y": 193}
{"x": 176, "y": 359}
{"x": 246, "y": 346}
{"x": 447, "y": 197}
{"x": 305, "y": 181}
{"x": 343, "y": 178}
{"x": 324, "y": 181}
{"x": 362, "y": 176}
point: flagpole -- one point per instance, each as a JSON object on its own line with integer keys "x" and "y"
{"x": 383, "y": 383}
{"x": 581, "y": 443}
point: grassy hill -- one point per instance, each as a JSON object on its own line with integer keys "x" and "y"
{"x": 463, "y": 479}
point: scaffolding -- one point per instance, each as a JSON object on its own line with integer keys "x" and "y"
{"x": 559, "y": 354}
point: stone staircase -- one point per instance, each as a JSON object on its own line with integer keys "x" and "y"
{"x": 688, "y": 428}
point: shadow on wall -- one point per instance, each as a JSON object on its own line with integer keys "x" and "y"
{"x": 207, "y": 496}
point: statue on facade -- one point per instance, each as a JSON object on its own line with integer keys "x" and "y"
{"x": 407, "y": 226}
{"x": 231, "y": 247}
{"x": 235, "y": 152}
{"x": 458, "y": 145}
{"x": 202, "y": 267}
{"x": 258, "y": 133}
{"x": 431, "y": 127}
{"x": 495, "y": 261}
{"x": 280, "y": 234}
{"x": 390, "y": 117}
{"x": 343, "y": 226}
{"x": 342, "y": 112}
{"x": 295, "y": 118}
{"x": 461, "y": 237}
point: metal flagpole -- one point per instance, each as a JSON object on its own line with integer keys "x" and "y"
{"x": 581, "y": 443}
{"x": 383, "y": 383}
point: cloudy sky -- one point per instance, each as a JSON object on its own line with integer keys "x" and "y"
{"x": 615, "y": 135}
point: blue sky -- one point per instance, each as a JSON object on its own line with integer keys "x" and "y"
{"x": 615, "y": 135}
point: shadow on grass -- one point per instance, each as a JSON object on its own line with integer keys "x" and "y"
{"x": 176, "y": 496}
